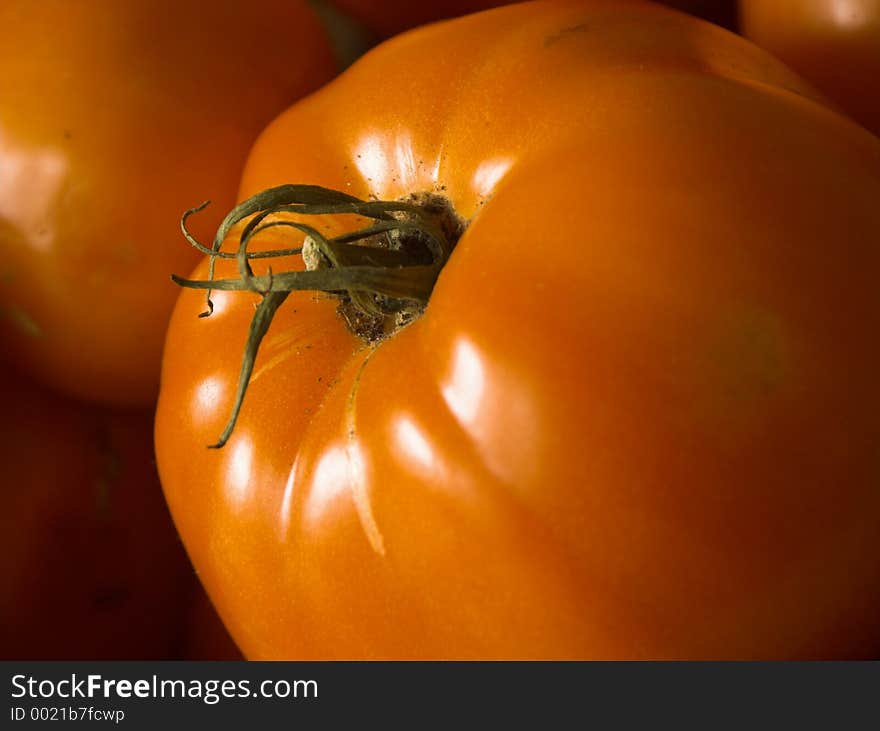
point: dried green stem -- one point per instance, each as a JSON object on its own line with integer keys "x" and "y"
{"x": 378, "y": 281}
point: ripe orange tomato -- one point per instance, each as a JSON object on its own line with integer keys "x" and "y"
{"x": 112, "y": 115}
{"x": 835, "y": 44}
{"x": 638, "y": 417}
{"x": 92, "y": 567}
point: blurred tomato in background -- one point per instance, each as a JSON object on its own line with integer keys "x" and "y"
{"x": 834, "y": 44}
{"x": 115, "y": 117}
{"x": 91, "y": 565}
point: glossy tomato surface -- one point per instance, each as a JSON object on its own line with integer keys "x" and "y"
{"x": 92, "y": 566}
{"x": 835, "y": 44}
{"x": 115, "y": 117}
{"x": 639, "y": 416}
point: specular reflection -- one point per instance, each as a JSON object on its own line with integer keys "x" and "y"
{"x": 493, "y": 404}
{"x": 489, "y": 173}
{"x": 238, "y": 469}
{"x": 414, "y": 448}
{"x": 30, "y": 181}
{"x": 464, "y": 387}
{"x": 390, "y": 162}
{"x": 329, "y": 480}
{"x": 849, "y": 14}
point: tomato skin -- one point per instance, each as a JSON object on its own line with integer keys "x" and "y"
{"x": 92, "y": 566}
{"x": 835, "y": 44}
{"x": 116, "y": 117}
{"x": 638, "y": 418}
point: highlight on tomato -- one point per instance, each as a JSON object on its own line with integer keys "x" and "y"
{"x": 92, "y": 566}
{"x": 112, "y": 113}
{"x": 548, "y": 332}
{"x": 835, "y": 44}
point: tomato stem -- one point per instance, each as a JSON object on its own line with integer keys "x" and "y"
{"x": 384, "y": 273}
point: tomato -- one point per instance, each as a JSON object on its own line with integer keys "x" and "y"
{"x": 638, "y": 417}
{"x": 835, "y": 44}
{"x": 92, "y": 567}
{"x": 115, "y": 115}
{"x": 389, "y": 18}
